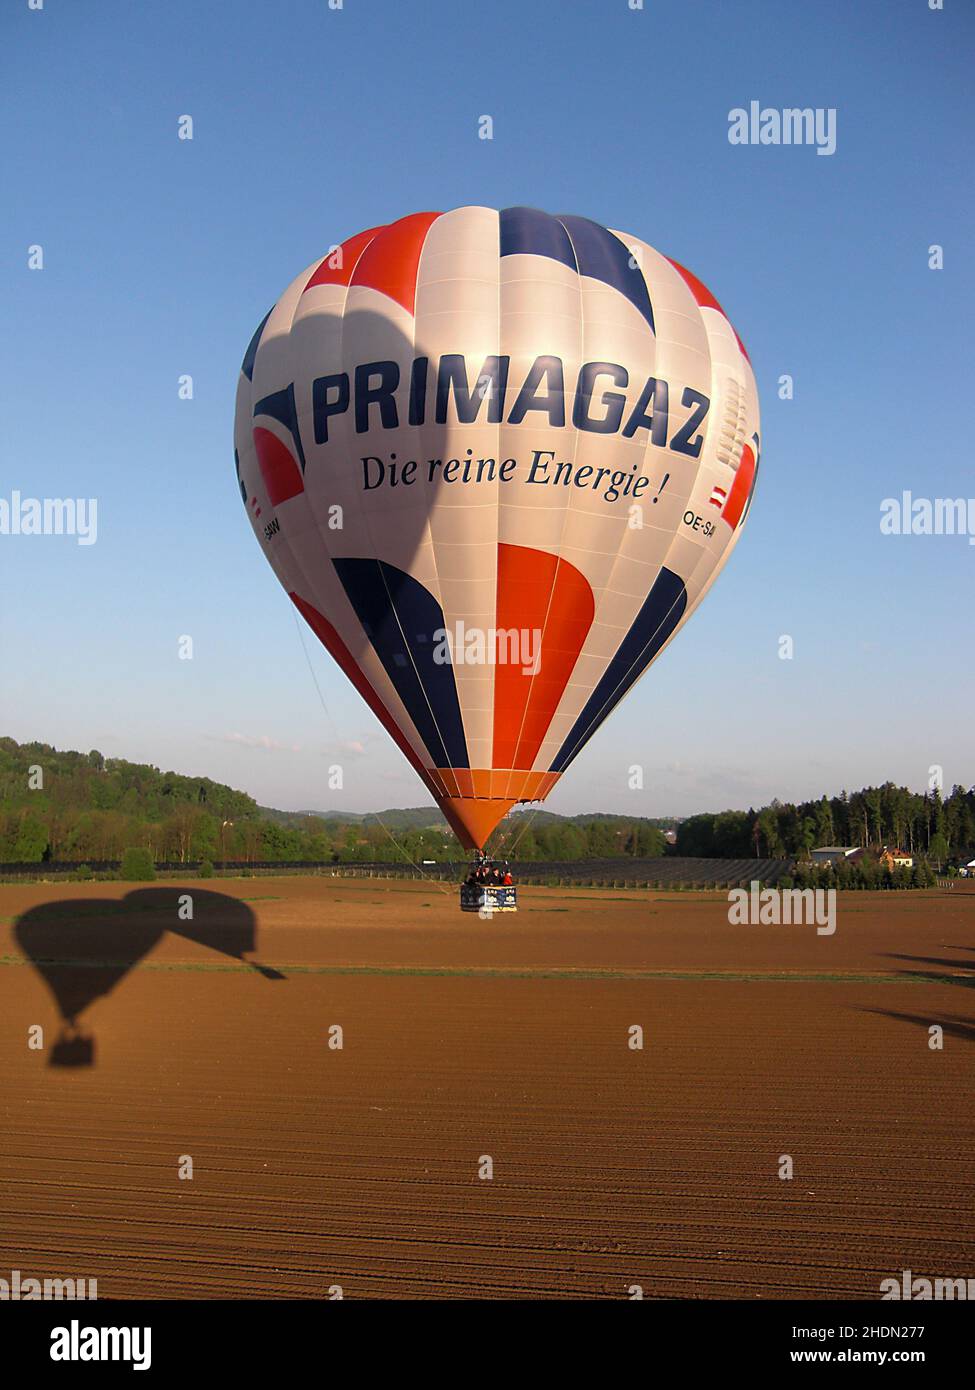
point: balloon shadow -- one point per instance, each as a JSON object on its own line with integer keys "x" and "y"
{"x": 84, "y": 947}
{"x": 224, "y": 924}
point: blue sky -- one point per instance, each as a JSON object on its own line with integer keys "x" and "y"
{"x": 161, "y": 255}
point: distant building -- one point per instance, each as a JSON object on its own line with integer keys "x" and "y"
{"x": 896, "y": 858}
{"x": 967, "y": 870}
{"x": 831, "y": 854}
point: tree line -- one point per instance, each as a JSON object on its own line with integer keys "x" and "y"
{"x": 83, "y": 808}
{"x": 926, "y": 825}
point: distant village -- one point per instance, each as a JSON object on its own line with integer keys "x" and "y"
{"x": 885, "y": 858}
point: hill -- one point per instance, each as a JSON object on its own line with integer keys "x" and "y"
{"x": 429, "y": 818}
{"x": 79, "y": 807}
{"x": 83, "y": 807}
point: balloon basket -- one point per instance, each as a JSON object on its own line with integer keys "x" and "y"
{"x": 486, "y": 897}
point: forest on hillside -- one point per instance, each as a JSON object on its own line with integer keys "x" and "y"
{"x": 83, "y": 808}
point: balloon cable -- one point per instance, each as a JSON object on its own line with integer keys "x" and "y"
{"x": 398, "y": 847}
{"x": 529, "y": 821}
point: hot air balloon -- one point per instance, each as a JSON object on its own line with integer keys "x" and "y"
{"x": 496, "y": 459}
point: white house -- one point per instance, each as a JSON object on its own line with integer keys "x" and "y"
{"x": 831, "y": 854}
{"x": 896, "y": 858}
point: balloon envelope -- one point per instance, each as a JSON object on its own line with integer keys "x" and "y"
{"x": 496, "y": 459}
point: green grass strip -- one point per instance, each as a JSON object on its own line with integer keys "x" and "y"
{"x": 513, "y": 973}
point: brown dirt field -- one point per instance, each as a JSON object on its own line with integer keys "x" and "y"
{"x": 316, "y": 1167}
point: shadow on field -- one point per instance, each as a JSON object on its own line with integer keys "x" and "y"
{"x": 953, "y": 1025}
{"x": 946, "y": 975}
{"x": 83, "y": 948}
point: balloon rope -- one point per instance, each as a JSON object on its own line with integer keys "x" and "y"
{"x": 301, "y": 638}
{"x": 399, "y": 848}
{"x": 419, "y": 868}
{"x": 529, "y": 821}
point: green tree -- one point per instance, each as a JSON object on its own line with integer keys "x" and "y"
{"x": 824, "y": 832}
{"x": 938, "y": 849}
{"x": 31, "y": 841}
{"x": 137, "y": 865}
